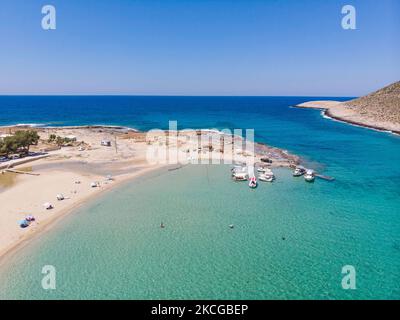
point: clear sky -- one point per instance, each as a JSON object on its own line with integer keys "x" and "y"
{"x": 204, "y": 47}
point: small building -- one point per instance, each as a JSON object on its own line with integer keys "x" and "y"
{"x": 106, "y": 143}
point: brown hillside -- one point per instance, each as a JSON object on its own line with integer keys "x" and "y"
{"x": 381, "y": 105}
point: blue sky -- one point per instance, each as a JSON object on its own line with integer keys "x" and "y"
{"x": 270, "y": 47}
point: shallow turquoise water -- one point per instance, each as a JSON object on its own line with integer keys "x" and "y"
{"x": 114, "y": 248}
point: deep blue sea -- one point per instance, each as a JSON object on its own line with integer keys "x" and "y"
{"x": 354, "y": 220}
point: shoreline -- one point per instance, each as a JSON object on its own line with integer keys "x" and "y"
{"x": 87, "y": 160}
{"x": 338, "y": 111}
{"x": 44, "y": 226}
{"x": 327, "y": 114}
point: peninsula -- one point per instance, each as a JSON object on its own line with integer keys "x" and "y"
{"x": 379, "y": 110}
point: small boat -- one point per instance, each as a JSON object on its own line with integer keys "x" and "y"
{"x": 309, "y": 176}
{"x": 231, "y": 226}
{"x": 162, "y": 226}
{"x": 267, "y": 176}
{"x": 94, "y": 184}
{"x": 240, "y": 176}
{"x": 238, "y": 169}
{"x": 263, "y": 169}
{"x": 48, "y": 206}
{"x": 299, "y": 171}
{"x": 30, "y": 218}
{"x": 266, "y": 160}
{"x": 60, "y": 197}
{"x": 253, "y": 182}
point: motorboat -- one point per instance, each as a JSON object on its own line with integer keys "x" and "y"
{"x": 267, "y": 175}
{"x": 263, "y": 169}
{"x": 60, "y": 197}
{"x": 309, "y": 176}
{"x": 48, "y": 206}
{"x": 299, "y": 171}
{"x": 238, "y": 169}
{"x": 253, "y": 182}
{"x": 240, "y": 176}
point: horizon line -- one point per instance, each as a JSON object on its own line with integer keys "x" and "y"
{"x": 171, "y": 95}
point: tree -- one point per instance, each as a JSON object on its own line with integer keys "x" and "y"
{"x": 19, "y": 142}
{"x": 52, "y": 138}
{"x": 24, "y": 139}
{"x": 2, "y": 148}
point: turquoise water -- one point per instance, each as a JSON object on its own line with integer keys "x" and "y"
{"x": 114, "y": 248}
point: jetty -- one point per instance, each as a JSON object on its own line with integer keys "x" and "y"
{"x": 328, "y": 178}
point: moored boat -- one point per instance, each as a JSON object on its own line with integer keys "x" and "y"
{"x": 262, "y": 169}
{"x": 253, "y": 182}
{"x": 299, "y": 171}
{"x": 267, "y": 176}
{"x": 240, "y": 176}
{"x": 309, "y": 176}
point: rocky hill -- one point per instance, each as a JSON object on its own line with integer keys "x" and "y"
{"x": 381, "y": 105}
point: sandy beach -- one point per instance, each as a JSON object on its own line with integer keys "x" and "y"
{"x": 70, "y": 170}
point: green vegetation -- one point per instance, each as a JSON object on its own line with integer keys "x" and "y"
{"x": 20, "y": 142}
{"x": 60, "y": 141}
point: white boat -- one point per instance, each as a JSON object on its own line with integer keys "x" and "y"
{"x": 253, "y": 182}
{"x": 239, "y": 169}
{"x": 266, "y": 177}
{"x": 48, "y": 206}
{"x": 60, "y": 197}
{"x": 309, "y": 176}
{"x": 299, "y": 171}
{"x": 240, "y": 176}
